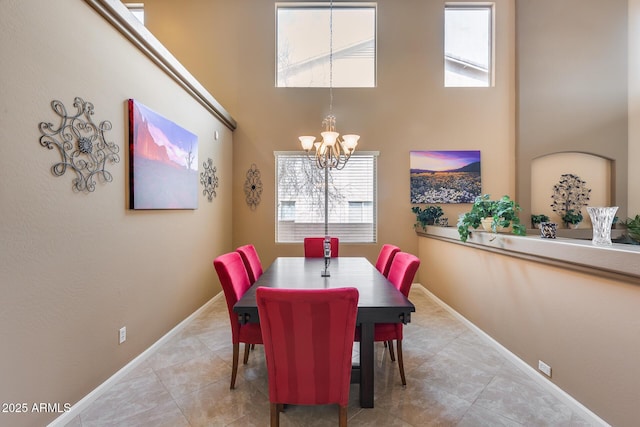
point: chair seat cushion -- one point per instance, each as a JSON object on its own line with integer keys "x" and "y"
{"x": 384, "y": 332}
{"x": 250, "y": 333}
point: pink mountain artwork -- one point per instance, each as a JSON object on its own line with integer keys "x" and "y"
{"x": 163, "y": 162}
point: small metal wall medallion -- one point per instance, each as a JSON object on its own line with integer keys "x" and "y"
{"x": 209, "y": 180}
{"x": 81, "y": 144}
{"x": 253, "y": 187}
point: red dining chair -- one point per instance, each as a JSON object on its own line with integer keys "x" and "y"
{"x": 402, "y": 272}
{"x": 385, "y": 257}
{"x": 235, "y": 282}
{"x": 251, "y": 262}
{"x": 314, "y": 247}
{"x": 308, "y": 339}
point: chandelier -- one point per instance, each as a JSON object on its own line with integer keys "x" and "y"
{"x": 332, "y": 152}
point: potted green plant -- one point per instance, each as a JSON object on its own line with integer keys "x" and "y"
{"x": 426, "y": 216}
{"x": 536, "y": 220}
{"x": 504, "y": 213}
{"x": 633, "y": 227}
{"x": 572, "y": 217}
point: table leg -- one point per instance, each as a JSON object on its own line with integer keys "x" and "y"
{"x": 366, "y": 365}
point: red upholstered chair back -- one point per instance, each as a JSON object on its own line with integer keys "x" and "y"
{"x": 403, "y": 270}
{"x": 314, "y": 247}
{"x": 235, "y": 282}
{"x": 385, "y": 257}
{"x": 308, "y": 338}
{"x": 251, "y": 262}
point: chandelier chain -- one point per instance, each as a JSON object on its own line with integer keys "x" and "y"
{"x": 331, "y": 57}
{"x": 331, "y": 152}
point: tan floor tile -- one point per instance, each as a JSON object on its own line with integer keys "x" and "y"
{"x": 455, "y": 378}
{"x": 124, "y": 400}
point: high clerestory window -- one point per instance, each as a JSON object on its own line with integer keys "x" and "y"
{"x": 468, "y": 44}
{"x": 303, "y": 44}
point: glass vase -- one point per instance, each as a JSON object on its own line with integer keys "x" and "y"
{"x": 601, "y": 221}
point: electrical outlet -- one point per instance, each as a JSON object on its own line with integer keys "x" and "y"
{"x": 544, "y": 368}
{"x": 123, "y": 334}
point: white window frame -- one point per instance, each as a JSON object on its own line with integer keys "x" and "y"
{"x": 345, "y": 230}
{"x": 325, "y": 5}
{"x": 491, "y": 7}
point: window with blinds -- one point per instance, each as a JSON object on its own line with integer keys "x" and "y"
{"x": 300, "y": 198}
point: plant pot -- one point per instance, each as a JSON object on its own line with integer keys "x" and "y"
{"x": 486, "y": 224}
{"x": 548, "y": 230}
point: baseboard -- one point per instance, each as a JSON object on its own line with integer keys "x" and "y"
{"x": 563, "y": 396}
{"x": 83, "y": 403}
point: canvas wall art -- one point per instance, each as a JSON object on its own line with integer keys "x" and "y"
{"x": 163, "y": 164}
{"x": 445, "y": 176}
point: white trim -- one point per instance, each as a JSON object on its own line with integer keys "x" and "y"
{"x": 522, "y": 365}
{"x": 84, "y": 403}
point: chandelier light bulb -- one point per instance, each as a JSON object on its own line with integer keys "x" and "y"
{"x": 350, "y": 142}
{"x": 329, "y": 138}
{"x": 307, "y": 142}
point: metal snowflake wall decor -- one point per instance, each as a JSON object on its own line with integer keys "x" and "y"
{"x": 209, "y": 180}
{"x": 253, "y": 187}
{"x": 81, "y": 144}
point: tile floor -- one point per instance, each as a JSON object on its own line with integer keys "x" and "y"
{"x": 455, "y": 378}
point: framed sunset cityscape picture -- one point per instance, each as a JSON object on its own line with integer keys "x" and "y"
{"x": 445, "y": 176}
{"x": 163, "y": 162}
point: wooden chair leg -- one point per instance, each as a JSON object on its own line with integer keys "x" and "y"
{"x": 390, "y": 345}
{"x": 343, "y": 416}
{"x": 275, "y": 415}
{"x": 234, "y": 367}
{"x": 401, "y": 363}
{"x": 246, "y": 353}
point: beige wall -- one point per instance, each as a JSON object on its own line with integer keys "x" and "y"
{"x": 76, "y": 267}
{"x": 634, "y": 107}
{"x": 572, "y": 86}
{"x": 229, "y": 46}
{"x": 583, "y": 326}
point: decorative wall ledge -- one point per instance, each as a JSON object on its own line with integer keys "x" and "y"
{"x": 618, "y": 261}
{"x": 119, "y": 16}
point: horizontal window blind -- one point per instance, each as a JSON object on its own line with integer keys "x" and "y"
{"x": 300, "y": 198}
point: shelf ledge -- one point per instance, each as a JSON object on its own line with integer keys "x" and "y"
{"x": 618, "y": 261}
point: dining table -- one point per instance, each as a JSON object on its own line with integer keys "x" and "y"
{"x": 379, "y": 302}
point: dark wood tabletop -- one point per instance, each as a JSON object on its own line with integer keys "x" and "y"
{"x": 379, "y": 300}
